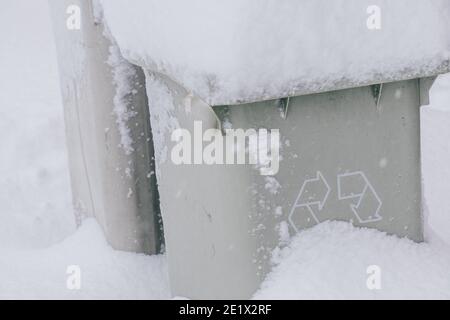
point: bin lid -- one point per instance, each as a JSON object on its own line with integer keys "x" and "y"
{"x": 240, "y": 51}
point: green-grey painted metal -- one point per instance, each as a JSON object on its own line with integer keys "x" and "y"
{"x": 346, "y": 156}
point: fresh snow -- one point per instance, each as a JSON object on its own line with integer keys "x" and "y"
{"x": 124, "y": 74}
{"x": 232, "y": 51}
{"x": 105, "y": 273}
{"x": 161, "y": 103}
{"x": 331, "y": 261}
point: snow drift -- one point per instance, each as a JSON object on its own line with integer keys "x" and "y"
{"x": 332, "y": 260}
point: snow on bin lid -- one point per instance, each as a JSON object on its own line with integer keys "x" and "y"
{"x": 239, "y": 51}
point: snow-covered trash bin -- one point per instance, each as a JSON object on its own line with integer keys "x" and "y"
{"x": 222, "y": 222}
{"x": 269, "y": 118}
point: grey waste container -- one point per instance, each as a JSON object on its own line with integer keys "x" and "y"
{"x": 351, "y": 155}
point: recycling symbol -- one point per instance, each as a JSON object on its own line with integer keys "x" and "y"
{"x": 355, "y": 187}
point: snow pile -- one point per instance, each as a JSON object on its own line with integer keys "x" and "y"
{"x": 244, "y": 50}
{"x": 332, "y": 260}
{"x": 105, "y": 273}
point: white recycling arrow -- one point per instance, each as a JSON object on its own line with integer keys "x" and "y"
{"x": 314, "y": 192}
{"x": 356, "y": 186}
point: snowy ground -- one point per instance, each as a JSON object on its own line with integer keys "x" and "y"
{"x": 105, "y": 273}
{"x": 331, "y": 261}
{"x": 38, "y": 240}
